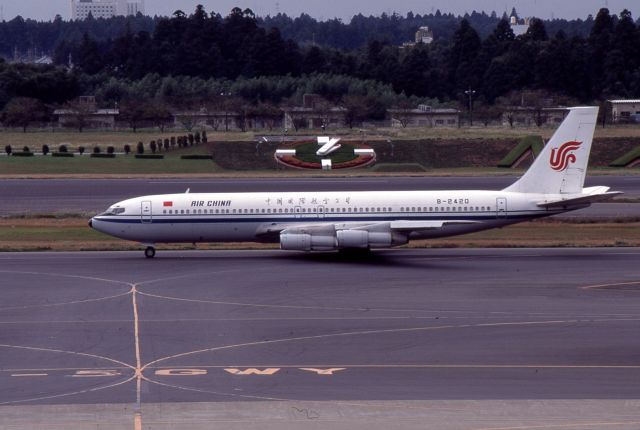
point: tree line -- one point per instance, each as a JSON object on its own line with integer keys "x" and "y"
{"x": 203, "y": 58}
{"x": 28, "y": 36}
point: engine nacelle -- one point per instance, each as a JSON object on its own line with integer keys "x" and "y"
{"x": 307, "y": 242}
{"x": 364, "y": 239}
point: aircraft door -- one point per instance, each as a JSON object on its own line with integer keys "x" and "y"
{"x": 298, "y": 211}
{"x": 501, "y": 207}
{"x": 321, "y": 211}
{"x": 145, "y": 211}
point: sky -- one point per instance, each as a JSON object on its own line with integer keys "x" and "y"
{"x": 45, "y": 10}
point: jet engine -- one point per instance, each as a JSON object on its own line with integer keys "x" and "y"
{"x": 343, "y": 239}
{"x": 307, "y": 242}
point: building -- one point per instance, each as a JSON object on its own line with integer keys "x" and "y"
{"x": 225, "y": 120}
{"x": 315, "y": 112}
{"x": 519, "y": 28}
{"x": 424, "y": 35}
{"x": 84, "y": 114}
{"x": 625, "y": 111}
{"x": 530, "y": 116}
{"x": 80, "y": 9}
{"x": 424, "y": 116}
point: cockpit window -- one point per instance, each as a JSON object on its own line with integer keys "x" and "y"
{"x": 113, "y": 211}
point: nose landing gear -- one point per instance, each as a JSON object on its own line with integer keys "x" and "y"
{"x": 150, "y": 252}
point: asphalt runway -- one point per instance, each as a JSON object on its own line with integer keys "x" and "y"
{"x": 21, "y": 196}
{"x": 150, "y": 339}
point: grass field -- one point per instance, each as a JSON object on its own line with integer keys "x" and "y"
{"x": 121, "y": 164}
{"x": 88, "y": 139}
{"x": 68, "y": 234}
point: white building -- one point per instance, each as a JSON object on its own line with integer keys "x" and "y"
{"x": 519, "y": 28}
{"x": 80, "y": 9}
{"x": 424, "y": 35}
{"x": 625, "y": 111}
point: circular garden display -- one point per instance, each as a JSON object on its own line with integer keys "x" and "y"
{"x": 345, "y": 157}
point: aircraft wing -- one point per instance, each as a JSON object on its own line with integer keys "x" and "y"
{"x": 588, "y": 196}
{"x": 400, "y": 226}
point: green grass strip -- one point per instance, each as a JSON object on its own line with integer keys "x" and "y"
{"x": 627, "y": 158}
{"x": 534, "y": 143}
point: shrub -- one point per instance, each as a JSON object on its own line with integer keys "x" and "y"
{"x": 26, "y": 149}
{"x": 45, "y": 149}
{"x": 196, "y": 157}
{"x": 101, "y": 155}
{"x": 159, "y": 143}
{"x": 127, "y": 149}
{"x": 191, "y": 139}
{"x": 197, "y": 137}
{"x": 153, "y": 146}
{"x": 23, "y": 154}
{"x": 96, "y": 149}
{"x": 8, "y": 149}
{"x": 150, "y": 156}
{"x": 62, "y": 154}
{"x": 63, "y": 149}
{"x": 173, "y": 141}
{"x": 166, "y": 144}
{"x": 204, "y": 136}
{"x": 110, "y": 149}
{"x": 81, "y": 149}
{"x": 140, "y": 148}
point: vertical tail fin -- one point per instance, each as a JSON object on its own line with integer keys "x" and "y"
{"x": 562, "y": 165}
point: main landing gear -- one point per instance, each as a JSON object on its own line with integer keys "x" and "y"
{"x": 150, "y": 252}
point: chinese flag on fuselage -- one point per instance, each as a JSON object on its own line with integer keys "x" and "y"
{"x": 167, "y": 204}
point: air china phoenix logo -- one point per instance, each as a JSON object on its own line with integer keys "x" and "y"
{"x": 561, "y": 157}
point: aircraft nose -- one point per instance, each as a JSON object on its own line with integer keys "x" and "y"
{"x": 91, "y": 223}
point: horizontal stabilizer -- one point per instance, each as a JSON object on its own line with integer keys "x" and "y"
{"x": 589, "y": 195}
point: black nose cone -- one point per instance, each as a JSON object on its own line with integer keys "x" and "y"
{"x": 91, "y": 223}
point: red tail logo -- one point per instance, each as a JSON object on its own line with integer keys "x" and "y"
{"x": 561, "y": 157}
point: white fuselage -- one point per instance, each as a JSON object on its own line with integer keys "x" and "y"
{"x": 242, "y": 217}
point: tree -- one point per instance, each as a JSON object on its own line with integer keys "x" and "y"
{"x": 536, "y": 31}
{"x": 88, "y": 55}
{"x": 140, "y": 148}
{"x": 462, "y": 55}
{"x": 79, "y": 113}
{"x": 23, "y": 111}
{"x": 402, "y": 112}
{"x": 134, "y": 112}
{"x": 356, "y": 109}
{"x": 159, "y": 113}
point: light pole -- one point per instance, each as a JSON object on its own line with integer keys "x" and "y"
{"x": 470, "y": 93}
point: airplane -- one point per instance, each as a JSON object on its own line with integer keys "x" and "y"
{"x": 328, "y": 221}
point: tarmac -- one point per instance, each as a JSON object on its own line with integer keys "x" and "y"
{"x": 20, "y": 196}
{"x": 437, "y": 338}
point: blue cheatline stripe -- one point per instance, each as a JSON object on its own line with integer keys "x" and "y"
{"x": 241, "y": 218}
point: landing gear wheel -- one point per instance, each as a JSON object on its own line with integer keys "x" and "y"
{"x": 150, "y": 252}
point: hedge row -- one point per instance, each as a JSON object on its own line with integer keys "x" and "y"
{"x": 196, "y": 157}
{"x": 149, "y": 156}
